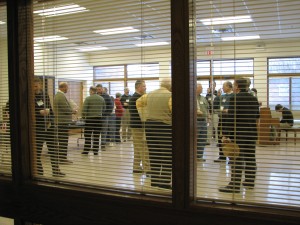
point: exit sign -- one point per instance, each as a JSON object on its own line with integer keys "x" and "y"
{"x": 209, "y": 52}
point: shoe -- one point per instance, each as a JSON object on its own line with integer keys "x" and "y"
{"x": 58, "y": 174}
{"x": 230, "y": 189}
{"x": 248, "y": 185}
{"x": 65, "y": 161}
{"x": 220, "y": 160}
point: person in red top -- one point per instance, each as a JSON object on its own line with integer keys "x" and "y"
{"x": 119, "y": 110}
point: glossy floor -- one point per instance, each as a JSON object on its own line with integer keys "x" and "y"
{"x": 277, "y": 181}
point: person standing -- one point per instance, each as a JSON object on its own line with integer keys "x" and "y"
{"x": 119, "y": 110}
{"x": 221, "y": 105}
{"x": 105, "y": 115}
{"x": 63, "y": 117}
{"x": 92, "y": 110}
{"x": 140, "y": 155}
{"x": 159, "y": 133}
{"x": 243, "y": 113}
{"x": 212, "y": 129}
{"x": 126, "y": 133}
{"x": 202, "y": 118}
{"x": 44, "y": 128}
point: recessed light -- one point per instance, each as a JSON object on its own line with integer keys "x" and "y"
{"x": 240, "y": 38}
{"x": 152, "y": 44}
{"x": 118, "y": 30}
{"x": 226, "y": 20}
{"x": 61, "y": 10}
{"x": 49, "y": 38}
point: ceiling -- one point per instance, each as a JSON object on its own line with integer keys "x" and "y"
{"x": 273, "y": 21}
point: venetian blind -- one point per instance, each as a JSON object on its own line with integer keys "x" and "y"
{"x": 5, "y": 149}
{"x": 93, "y": 60}
{"x": 257, "y": 41}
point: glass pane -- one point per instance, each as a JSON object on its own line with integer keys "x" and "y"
{"x": 284, "y": 65}
{"x": 142, "y": 71}
{"x": 295, "y": 94}
{"x": 83, "y": 151}
{"x": 108, "y": 72}
{"x": 233, "y": 67}
{"x": 279, "y": 92}
{"x": 5, "y": 147}
{"x": 203, "y": 68}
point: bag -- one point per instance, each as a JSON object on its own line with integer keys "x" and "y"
{"x": 231, "y": 150}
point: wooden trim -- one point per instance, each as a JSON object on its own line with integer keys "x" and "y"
{"x": 183, "y": 116}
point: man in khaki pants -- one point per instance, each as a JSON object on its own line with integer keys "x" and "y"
{"x": 141, "y": 155}
{"x": 126, "y": 132}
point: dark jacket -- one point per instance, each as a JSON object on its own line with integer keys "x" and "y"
{"x": 243, "y": 113}
{"x": 42, "y": 101}
{"x": 287, "y": 116}
{"x": 108, "y": 103}
{"x": 135, "y": 120}
{"x": 125, "y": 98}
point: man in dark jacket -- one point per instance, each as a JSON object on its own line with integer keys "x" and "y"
{"x": 243, "y": 113}
{"x": 44, "y": 129}
{"x": 105, "y": 115}
{"x": 287, "y": 119}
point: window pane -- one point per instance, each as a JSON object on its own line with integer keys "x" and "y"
{"x": 143, "y": 71}
{"x": 295, "y": 94}
{"x": 233, "y": 67}
{"x": 279, "y": 92}
{"x": 108, "y": 72}
{"x": 203, "y": 68}
{"x": 5, "y": 147}
{"x": 284, "y": 65}
{"x": 97, "y": 150}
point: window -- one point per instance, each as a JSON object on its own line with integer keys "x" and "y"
{"x": 284, "y": 82}
{"x": 5, "y": 147}
{"x": 233, "y": 67}
{"x": 275, "y": 75}
{"x": 112, "y": 44}
{"x": 143, "y": 71}
{"x": 146, "y": 72}
{"x": 284, "y": 65}
{"x": 108, "y": 72}
{"x": 223, "y": 70}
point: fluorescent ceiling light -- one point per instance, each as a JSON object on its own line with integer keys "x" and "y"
{"x": 61, "y": 10}
{"x": 49, "y": 38}
{"x": 118, "y": 30}
{"x": 152, "y": 44}
{"x": 1, "y": 22}
{"x": 239, "y": 38}
{"x": 226, "y": 20}
{"x": 91, "y": 48}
